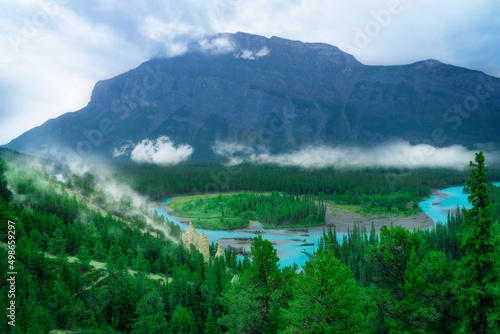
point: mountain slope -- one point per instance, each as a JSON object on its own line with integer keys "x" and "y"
{"x": 275, "y": 93}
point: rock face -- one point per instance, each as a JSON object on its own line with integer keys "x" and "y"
{"x": 200, "y": 242}
{"x": 204, "y": 246}
{"x": 220, "y": 252}
{"x": 276, "y": 93}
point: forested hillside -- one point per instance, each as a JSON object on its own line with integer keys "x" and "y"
{"x": 74, "y": 265}
{"x": 101, "y": 265}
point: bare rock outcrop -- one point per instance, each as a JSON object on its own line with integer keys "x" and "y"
{"x": 204, "y": 246}
{"x": 200, "y": 242}
{"x": 220, "y": 252}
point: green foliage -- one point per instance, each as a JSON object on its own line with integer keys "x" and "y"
{"x": 234, "y": 211}
{"x": 343, "y": 185}
{"x": 254, "y": 301}
{"x": 57, "y": 244}
{"x": 391, "y": 256}
{"x": 494, "y": 196}
{"x": 445, "y": 237}
{"x": 426, "y": 302}
{"x": 84, "y": 258}
{"x": 62, "y": 304}
{"x": 211, "y": 326}
{"x": 182, "y": 322}
{"x": 398, "y": 281}
{"x": 151, "y": 315}
{"x": 479, "y": 284}
{"x": 325, "y": 299}
{"x": 5, "y": 193}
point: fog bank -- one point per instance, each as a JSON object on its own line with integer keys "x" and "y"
{"x": 396, "y": 154}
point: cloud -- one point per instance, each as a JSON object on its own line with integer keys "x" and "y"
{"x": 232, "y": 149}
{"x": 246, "y": 54}
{"x": 111, "y": 194}
{"x": 51, "y": 59}
{"x": 161, "y": 151}
{"x": 252, "y": 55}
{"x": 262, "y": 52}
{"x": 396, "y": 154}
{"x": 118, "y": 152}
{"x": 173, "y": 35}
{"x": 216, "y": 45}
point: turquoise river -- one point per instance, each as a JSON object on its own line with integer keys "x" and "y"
{"x": 289, "y": 243}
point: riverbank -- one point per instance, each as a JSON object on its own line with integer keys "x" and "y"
{"x": 344, "y": 221}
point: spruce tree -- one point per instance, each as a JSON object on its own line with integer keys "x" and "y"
{"x": 325, "y": 299}
{"x": 5, "y": 193}
{"x": 479, "y": 286}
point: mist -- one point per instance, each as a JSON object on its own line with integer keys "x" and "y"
{"x": 161, "y": 151}
{"x": 398, "y": 154}
{"x": 109, "y": 195}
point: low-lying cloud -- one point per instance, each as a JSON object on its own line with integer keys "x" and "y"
{"x": 396, "y": 154}
{"x": 109, "y": 193}
{"x": 252, "y": 55}
{"x": 161, "y": 151}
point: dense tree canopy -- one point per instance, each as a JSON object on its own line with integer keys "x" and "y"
{"x": 84, "y": 268}
{"x": 479, "y": 293}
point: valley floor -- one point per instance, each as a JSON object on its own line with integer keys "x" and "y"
{"x": 345, "y": 220}
{"x": 342, "y": 217}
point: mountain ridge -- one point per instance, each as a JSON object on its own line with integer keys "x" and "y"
{"x": 270, "y": 92}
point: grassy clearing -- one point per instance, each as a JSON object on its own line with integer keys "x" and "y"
{"x": 177, "y": 202}
{"x": 213, "y": 218}
{"x": 368, "y": 211}
{"x": 192, "y": 207}
{"x": 235, "y": 209}
{"x": 217, "y": 224}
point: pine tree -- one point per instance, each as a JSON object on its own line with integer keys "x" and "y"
{"x": 254, "y": 300}
{"x": 5, "y": 193}
{"x": 99, "y": 251}
{"x": 151, "y": 315}
{"x": 325, "y": 299}
{"x": 211, "y": 326}
{"x": 479, "y": 293}
{"x": 84, "y": 258}
{"x": 57, "y": 245}
{"x": 182, "y": 322}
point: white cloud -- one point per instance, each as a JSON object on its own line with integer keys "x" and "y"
{"x": 246, "y": 54}
{"x": 231, "y": 149}
{"x": 173, "y": 35}
{"x": 262, "y": 52}
{"x": 217, "y": 45}
{"x": 252, "y": 55}
{"x": 124, "y": 150}
{"x": 161, "y": 151}
{"x": 396, "y": 154}
{"x": 51, "y": 58}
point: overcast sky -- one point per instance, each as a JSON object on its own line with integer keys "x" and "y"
{"x": 53, "y": 51}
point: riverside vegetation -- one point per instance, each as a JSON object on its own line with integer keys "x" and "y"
{"x": 93, "y": 265}
{"x": 230, "y": 211}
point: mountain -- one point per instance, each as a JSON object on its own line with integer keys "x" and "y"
{"x": 275, "y": 93}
